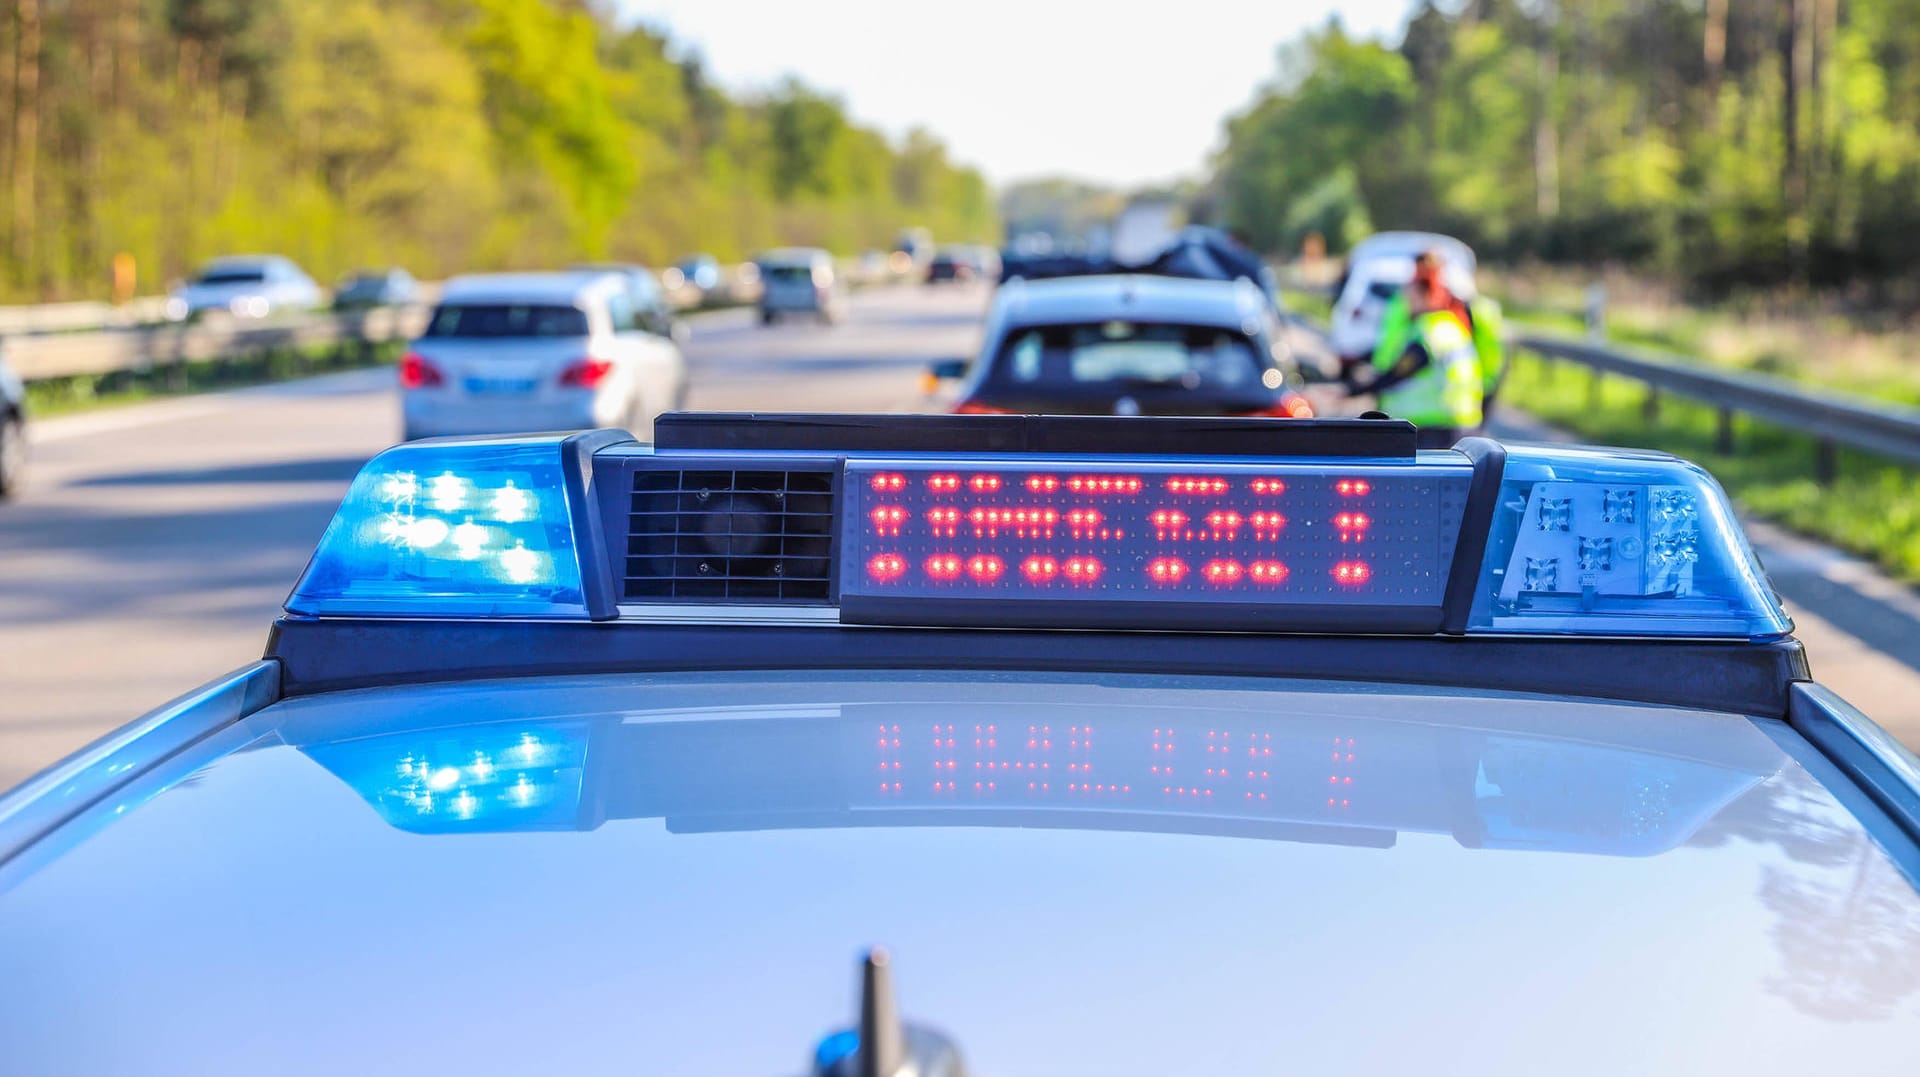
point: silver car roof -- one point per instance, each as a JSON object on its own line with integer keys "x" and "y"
{"x": 1137, "y": 297}
{"x": 1436, "y": 882}
{"x": 571, "y": 288}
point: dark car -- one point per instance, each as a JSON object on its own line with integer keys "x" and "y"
{"x": 952, "y": 265}
{"x": 13, "y": 430}
{"x": 1131, "y": 345}
{"x": 376, "y": 288}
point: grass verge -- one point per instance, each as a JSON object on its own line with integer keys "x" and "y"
{"x": 1872, "y": 508}
{"x": 81, "y": 392}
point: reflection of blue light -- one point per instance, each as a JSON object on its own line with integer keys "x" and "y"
{"x": 834, "y": 1048}
{"x": 472, "y": 778}
{"x": 1569, "y": 797}
{"x": 452, "y": 528}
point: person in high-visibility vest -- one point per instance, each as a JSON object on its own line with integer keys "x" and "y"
{"x": 1438, "y": 358}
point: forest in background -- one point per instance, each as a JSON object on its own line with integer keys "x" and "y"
{"x": 1726, "y": 143}
{"x": 442, "y": 135}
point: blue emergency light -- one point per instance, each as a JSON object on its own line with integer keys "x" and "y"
{"x": 1554, "y": 540}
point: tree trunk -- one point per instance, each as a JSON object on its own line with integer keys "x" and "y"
{"x": 1546, "y": 137}
{"x": 26, "y": 132}
{"x": 1796, "y": 57}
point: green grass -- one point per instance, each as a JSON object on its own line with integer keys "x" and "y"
{"x": 1872, "y": 508}
{"x": 82, "y": 392}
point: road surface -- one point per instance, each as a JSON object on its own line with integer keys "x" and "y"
{"x": 155, "y": 543}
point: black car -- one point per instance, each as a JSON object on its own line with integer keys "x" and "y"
{"x": 376, "y": 288}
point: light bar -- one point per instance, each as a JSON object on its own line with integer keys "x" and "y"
{"x": 1568, "y": 541}
{"x": 463, "y": 528}
{"x": 1616, "y": 543}
{"x": 1104, "y": 544}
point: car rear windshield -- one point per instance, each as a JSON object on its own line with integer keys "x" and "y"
{"x": 1382, "y": 289}
{"x": 233, "y": 276}
{"x": 1128, "y": 356}
{"x": 507, "y": 320}
{"x": 790, "y": 274}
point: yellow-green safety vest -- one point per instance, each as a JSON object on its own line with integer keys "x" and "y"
{"x": 1450, "y": 391}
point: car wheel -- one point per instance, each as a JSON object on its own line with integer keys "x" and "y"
{"x": 13, "y": 455}
{"x": 766, "y": 317}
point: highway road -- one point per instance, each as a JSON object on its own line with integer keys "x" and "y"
{"x": 156, "y": 542}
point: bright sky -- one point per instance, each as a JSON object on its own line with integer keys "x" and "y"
{"x": 1021, "y": 87}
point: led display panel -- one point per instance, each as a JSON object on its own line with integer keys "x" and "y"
{"x": 1054, "y": 544}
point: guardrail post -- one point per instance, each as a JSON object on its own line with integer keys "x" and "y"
{"x": 1723, "y": 431}
{"x": 1826, "y": 461}
{"x": 1650, "y": 407}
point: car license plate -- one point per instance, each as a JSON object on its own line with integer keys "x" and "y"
{"x": 499, "y": 386}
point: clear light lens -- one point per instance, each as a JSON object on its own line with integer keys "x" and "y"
{"x": 1614, "y": 543}
{"x": 472, "y": 528}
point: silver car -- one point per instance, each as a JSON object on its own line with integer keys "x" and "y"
{"x": 800, "y": 280}
{"x": 538, "y": 351}
{"x": 246, "y": 286}
{"x": 1378, "y": 268}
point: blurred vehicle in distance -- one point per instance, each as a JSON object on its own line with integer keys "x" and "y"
{"x": 912, "y": 250}
{"x": 13, "y": 430}
{"x": 871, "y": 266}
{"x": 964, "y": 262}
{"x": 246, "y": 286}
{"x": 800, "y": 280}
{"x": 515, "y": 352}
{"x": 1378, "y": 267}
{"x": 1130, "y": 345}
{"x": 376, "y": 288}
{"x": 652, "y": 310}
{"x": 952, "y": 265}
{"x": 700, "y": 272}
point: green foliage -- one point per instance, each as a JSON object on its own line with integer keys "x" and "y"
{"x": 444, "y": 135}
{"x": 1781, "y": 145}
{"x": 1872, "y": 508}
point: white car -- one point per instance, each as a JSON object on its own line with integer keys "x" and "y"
{"x": 516, "y": 352}
{"x": 800, "y": 280}
{"x": 246, "y": 286}
{"x": 1378, "y": 268}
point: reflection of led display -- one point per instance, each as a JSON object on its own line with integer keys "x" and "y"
{"x": 1235, "y": 534}
{"x": 1345, "y": 780}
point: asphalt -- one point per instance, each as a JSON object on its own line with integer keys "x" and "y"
{"x": 156, "y": 542}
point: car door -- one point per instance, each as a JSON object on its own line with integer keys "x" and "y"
{"x": 656, "y": 320}
{"x": 650, "y": 360}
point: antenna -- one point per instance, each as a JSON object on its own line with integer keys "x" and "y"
{"x": 883, "y": 1048}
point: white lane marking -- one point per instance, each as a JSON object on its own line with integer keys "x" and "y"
{"x": 67, "y": 427}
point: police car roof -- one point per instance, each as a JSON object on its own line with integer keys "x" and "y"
{"x": 567, "y": 288}
{"x": 1414, "y": 880}
{"x": 1130, "y": 296}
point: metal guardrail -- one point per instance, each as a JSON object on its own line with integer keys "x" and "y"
{"x": 63, "y": 340}
{"x": 82, "y": 316}
{"x": 1832, "y": 420}
{"x": 159, "y": 346}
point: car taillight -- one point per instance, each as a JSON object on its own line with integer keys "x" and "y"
{"x": 968, "y": 407}
{"x": 417, "y": 373}
{"x": 586, "y": 373}
{"x": 1291, "y": 406}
